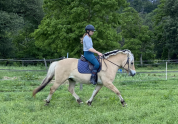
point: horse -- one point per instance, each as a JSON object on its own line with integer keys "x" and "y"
{"x": 66, "y": 69}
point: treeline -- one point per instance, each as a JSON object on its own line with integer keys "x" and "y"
{"x": 18, "y": 19}
{"x": 51, "y": 28}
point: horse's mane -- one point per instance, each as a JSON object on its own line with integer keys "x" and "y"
{"x": 114, "y": 52}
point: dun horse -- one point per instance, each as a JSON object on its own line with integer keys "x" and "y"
{"x": 66, "y": 69}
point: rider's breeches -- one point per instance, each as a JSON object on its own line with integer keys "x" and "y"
{"x": 91, "y": 58}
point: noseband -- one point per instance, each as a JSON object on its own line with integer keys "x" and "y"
{"x": 116, "y": 64}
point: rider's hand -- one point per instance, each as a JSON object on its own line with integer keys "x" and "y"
{"x": 100, "y": 54}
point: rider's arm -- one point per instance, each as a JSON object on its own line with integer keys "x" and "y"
{"x": 93, "y": 50}
{"x": 88, "y": 45}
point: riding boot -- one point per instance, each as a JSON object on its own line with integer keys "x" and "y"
{"x": 93, "y": 77}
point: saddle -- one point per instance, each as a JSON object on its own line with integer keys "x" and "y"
{"x": 84, "y": 66}
{"x": 91, "y": 66}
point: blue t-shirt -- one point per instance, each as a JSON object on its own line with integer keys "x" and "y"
{"x": 87, "y": 43}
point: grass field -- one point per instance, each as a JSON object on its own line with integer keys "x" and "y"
{"x": 150, "y": 99}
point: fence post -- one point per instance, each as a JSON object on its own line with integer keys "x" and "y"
{"x": 166, "y": 70}
{"x": 45, "y": 65}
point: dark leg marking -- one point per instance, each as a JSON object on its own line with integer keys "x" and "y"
{"x": 89, "y": 103}
{"x": 79, "y": 101}
{"x": 47, "y": 103}
{"x": 123, "y": 103}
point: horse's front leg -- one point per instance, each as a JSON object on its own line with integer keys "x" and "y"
{"x": 115, "y": 90}
{"x": 97, "y": 88}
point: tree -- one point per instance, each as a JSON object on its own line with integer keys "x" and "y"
{"x": 170, "y": 28}
{"x": 9, "y": 23}
{"x": 144, "y": 6}
{"x": 64, "y": 24}
{"x": 32, "y": 14}
{"x": 165, "y": 29}
{"x": 136, "y": 36}
{"x": 17, "y": 18}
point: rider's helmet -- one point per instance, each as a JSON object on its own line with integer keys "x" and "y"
{"x": 90, "y": 28}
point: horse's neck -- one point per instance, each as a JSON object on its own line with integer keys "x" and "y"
{"x": 118, "y": 59}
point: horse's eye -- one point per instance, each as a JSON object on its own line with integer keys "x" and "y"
{"x": 131, "y": 63}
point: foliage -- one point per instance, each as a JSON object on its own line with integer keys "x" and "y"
{"x": 166, "y": 29}
{"x": 9, "y": 22}
{"x": 18, "y": 16}
{"x": 60, "y": 31}
{"x": 137, "y": 37}
{"x": 144, "y": 6}
{"x": 65, "y": 21}
{"x": 170, "y": 28}
{"x": 32, "y": 13}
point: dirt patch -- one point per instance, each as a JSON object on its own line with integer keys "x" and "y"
{"x": 9, "y": 78}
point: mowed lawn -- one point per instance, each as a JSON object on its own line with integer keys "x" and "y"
{"x": 149, "y": 102}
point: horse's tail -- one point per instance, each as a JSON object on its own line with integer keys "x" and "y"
{"x": 47, "y": 79}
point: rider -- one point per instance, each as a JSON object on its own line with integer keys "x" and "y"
{"x": 89, "y": 51}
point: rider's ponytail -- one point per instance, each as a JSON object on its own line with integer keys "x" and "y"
{"x": 81, "y": 39}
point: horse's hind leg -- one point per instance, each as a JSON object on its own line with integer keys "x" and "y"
{"x": 115, "y": 90}
{"x": 57, "y": 83}
{"x": 72, "y": 91}
{"x": 97, "y": 88}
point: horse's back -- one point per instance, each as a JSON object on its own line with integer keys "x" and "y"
{"x": 67, "y": 64}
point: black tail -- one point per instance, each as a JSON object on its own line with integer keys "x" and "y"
{"x": 43, "y": 85}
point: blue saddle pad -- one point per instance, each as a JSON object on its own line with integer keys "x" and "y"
{"x": 83, "y": 67}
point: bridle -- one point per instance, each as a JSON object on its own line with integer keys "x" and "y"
{"x": 127, "y": 62}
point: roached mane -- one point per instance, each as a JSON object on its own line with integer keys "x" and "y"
{"x": 114, "y": 52}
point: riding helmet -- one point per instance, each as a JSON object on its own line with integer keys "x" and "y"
{"x": 90, "y": 28}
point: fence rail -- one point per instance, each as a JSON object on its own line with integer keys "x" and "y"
{"x": 162, "y": 62}
{"x": 34, "y": 60}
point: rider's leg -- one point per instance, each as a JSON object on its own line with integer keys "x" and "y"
{"x": 91, "y": 58}
{"x": 94, "y": 71}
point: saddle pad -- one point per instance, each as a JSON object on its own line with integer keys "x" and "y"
{"x": 83, "y": 67}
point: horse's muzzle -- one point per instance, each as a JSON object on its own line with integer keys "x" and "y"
{"x": 132, "y": 73}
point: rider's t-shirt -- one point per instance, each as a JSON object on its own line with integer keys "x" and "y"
{"x": 87, "y": 43}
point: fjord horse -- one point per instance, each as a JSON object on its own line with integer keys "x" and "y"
{"x": 66, "y": 69}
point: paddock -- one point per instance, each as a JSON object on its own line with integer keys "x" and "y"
{"x": 150, "y": 99}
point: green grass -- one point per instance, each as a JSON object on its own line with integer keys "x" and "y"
{"x": 150, "y": 101}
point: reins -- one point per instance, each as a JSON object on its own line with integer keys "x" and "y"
{"x": 115, "y": 63}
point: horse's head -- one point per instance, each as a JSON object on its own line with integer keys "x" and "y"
{"x": 125, "y": 60}
{"x": 128, "y": 64}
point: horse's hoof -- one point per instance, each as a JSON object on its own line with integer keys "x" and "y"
{"x": 79, "y": 101}
{"x": 89, "y": 103}
{"x": 47, "y": 102}
{"x": 123, "y": 103}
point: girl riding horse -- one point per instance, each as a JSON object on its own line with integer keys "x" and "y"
{"x": 89, "y": 51}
